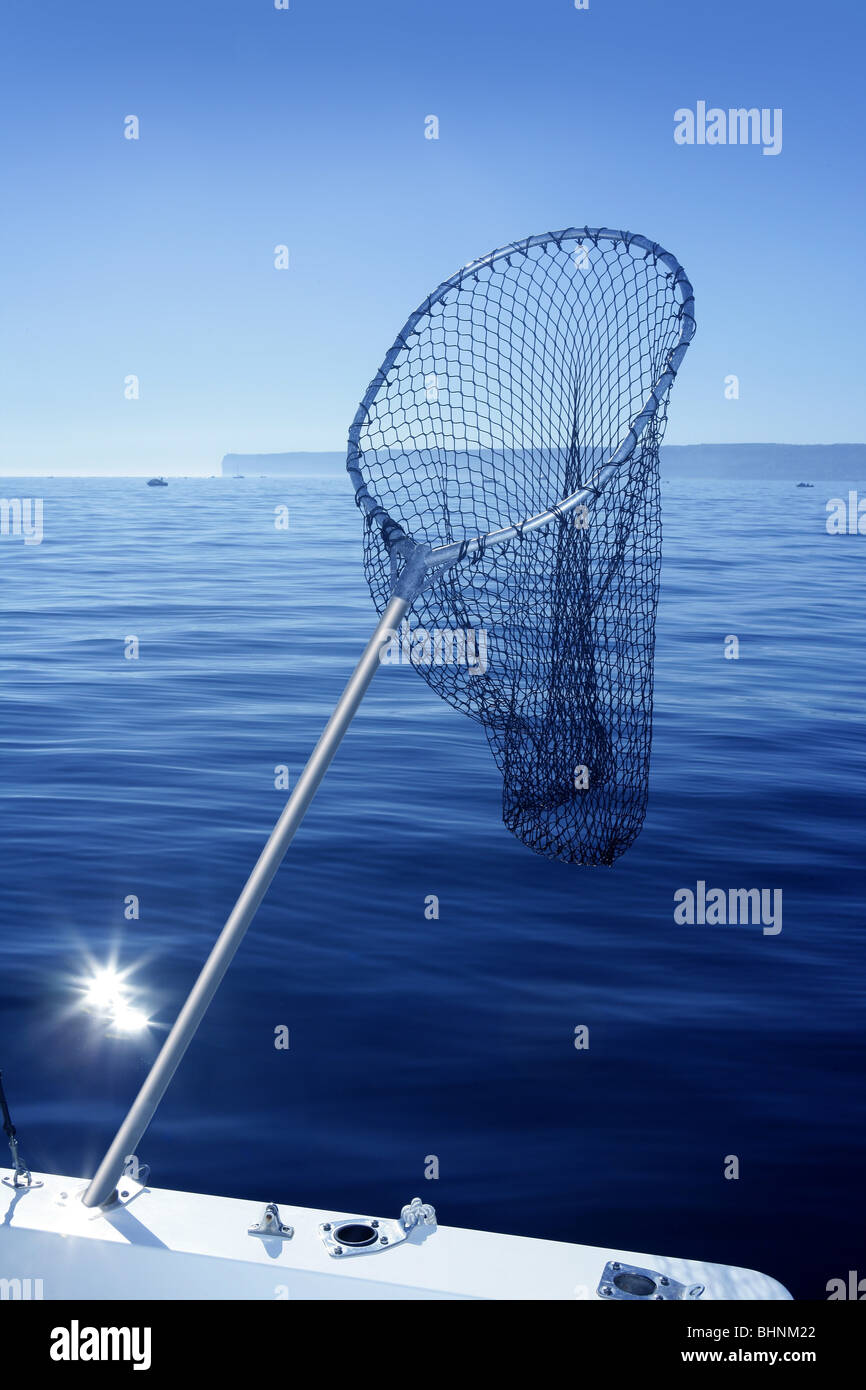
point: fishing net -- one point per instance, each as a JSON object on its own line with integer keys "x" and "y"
{"x": 514, "y": 429}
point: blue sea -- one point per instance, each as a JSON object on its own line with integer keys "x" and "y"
{"x": 154, "y": 779}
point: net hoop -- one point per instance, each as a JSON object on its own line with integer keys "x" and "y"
{"x": 458, "y": 550}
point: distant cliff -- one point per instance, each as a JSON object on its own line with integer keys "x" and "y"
{"x": 285, "y": 465}
{"x": 797, "y": 462}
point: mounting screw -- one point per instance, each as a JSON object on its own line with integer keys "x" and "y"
{"x": 664, "y": 1280}
{"x": 374, "y": 1223}
{"x": 615, "y": 1264}
{"x": 607, "y": 1289}
{"x": 326, "y": 1226}
{"x": 338, "y": 1249}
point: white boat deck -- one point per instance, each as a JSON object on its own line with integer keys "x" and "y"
{"x": 183, "y": 1245}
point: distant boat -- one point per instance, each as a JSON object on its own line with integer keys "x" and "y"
{"x": 805, "y": 485}
{"x": 157, "y": 482}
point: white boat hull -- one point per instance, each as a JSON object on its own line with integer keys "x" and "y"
{"x": 160, "y": 1244}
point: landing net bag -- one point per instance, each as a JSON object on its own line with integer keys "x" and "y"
{"x": 514, "y": 429}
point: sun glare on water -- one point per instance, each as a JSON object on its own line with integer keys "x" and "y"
{"x": 105, "y": 993}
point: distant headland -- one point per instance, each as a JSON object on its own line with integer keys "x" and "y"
{"x": 785, "y": 461}
{"x": 297, "y": 465}
{"x": 796, "y": 462}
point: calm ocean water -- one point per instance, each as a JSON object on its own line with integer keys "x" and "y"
{"x": 453, "y": 1037}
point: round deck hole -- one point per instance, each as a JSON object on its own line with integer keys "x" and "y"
{"x": 637, "y": 1284}
{"x": 356, "y": 1233}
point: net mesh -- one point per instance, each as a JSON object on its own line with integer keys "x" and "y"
{"x": 508, "y": 391}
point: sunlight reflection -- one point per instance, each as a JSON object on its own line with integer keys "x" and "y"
{"x": 106, "y": 993}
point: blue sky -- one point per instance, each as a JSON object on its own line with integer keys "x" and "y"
{"x": 306, "y": 128}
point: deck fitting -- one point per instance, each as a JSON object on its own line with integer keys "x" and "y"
{"x": 365, "y": 1235}
{"x": 632, "y": 1284}
{"x": 270, "y": 1223}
